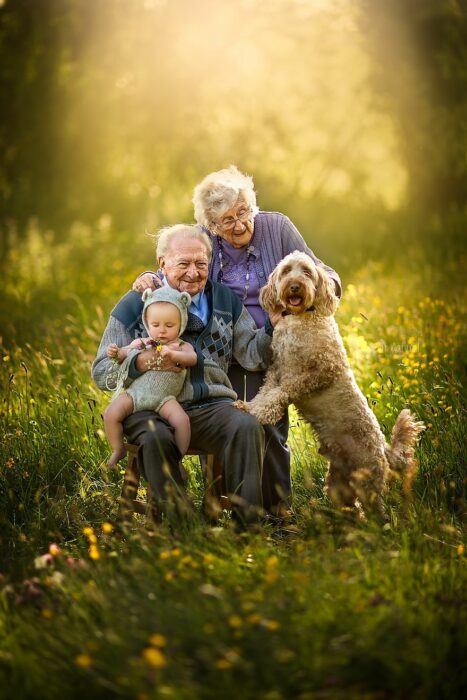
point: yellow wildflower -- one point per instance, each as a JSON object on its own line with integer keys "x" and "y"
{"x": 271, "y": 625}
{"x": 83, "y": 660}
{"x": 235, "y": 621}
{"x": 54, "y": 550}
{"x": 157, "y": 640}
{"x": 107, "y": 528}
{"x": 94, "y": 552}
{"x": 154, "y": 657}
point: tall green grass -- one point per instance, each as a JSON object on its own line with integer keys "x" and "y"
{"x": 325, "y": 608}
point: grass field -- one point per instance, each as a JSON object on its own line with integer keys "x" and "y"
{"x": 327, "y": 609}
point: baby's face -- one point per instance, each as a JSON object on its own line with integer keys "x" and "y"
{"x": 163, "y": 321}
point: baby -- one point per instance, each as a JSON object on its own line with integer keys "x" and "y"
{"x": 165, "y": 318}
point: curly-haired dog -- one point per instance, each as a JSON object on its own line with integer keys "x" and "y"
{"x": 310, "y": 369}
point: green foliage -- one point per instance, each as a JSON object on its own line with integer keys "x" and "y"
{"x": 418, "y": 52}
{"x": 347, "y": 612}
{"x": 111, "y": 113}
{"x": 325, "y": 607}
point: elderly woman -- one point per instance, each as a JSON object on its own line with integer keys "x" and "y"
{"x": 247, "y": 245}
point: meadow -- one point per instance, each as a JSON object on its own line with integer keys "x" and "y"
{"x": 324, "y": 608}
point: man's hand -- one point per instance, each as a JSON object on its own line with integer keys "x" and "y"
{"x": 146, "y": 281}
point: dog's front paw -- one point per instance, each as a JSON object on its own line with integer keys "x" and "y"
{"x": 266, "y": 415}
{"x": 242, "y": 406}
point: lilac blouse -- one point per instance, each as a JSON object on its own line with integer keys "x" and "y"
{"x": 274, "y": 237}
{"x": 235, "y": 270}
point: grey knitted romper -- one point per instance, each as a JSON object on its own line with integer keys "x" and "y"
{"x": 153, "y": 389}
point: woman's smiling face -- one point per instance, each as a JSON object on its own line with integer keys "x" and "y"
{"x": 236, "y": 224}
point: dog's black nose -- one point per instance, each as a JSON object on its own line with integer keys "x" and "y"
{"x": 294, "y": 288}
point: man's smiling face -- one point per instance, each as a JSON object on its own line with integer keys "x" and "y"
{"x": 186, "y": 265}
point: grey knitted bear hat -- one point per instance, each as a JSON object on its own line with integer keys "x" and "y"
{"x": 181, "y": 300}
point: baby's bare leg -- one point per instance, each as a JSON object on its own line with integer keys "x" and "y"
{"x": 178, "y": 419}
{"x": 114, "y": 415}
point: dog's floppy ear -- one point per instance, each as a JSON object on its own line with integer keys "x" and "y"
{"x": 325, "y": 301}
{"x": 268, "y": 295}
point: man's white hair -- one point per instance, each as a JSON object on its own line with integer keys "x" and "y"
{"x": 219, "y": 191}
{"x": 181, "y": 231}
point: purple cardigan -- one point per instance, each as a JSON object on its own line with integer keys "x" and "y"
{"x": 274, "y": 237}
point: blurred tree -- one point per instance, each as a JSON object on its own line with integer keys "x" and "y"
{"x": 119, "y": 107}
{"x": 419, "y": 52}
{"x": 32, "y": 60}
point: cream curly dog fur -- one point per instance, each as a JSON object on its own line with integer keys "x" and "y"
{"x": 310, "y": 369}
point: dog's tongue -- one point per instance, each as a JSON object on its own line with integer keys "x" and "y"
{"x": 295, "y": 301}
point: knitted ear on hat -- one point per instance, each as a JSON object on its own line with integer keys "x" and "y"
{"x": 183, "y": 302}
{"x": 185, "y": 299}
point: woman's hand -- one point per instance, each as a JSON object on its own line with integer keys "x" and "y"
{"x": 148, "y": 280}
{"x": 275, "y": 317}
{"x": 156, "y": 360}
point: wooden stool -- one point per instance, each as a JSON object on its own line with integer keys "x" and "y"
{"x": 214, "y": 501}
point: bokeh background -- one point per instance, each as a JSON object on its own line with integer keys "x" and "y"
{"x": 352, "y": 117}
{"x": 350, "y": 114}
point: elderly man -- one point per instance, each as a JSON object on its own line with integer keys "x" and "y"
{"x": 220, "y": 329}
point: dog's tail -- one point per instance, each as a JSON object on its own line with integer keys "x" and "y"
{"x": 400, "y": 451}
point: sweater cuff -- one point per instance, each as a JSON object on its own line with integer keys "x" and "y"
{"x": 268, "y": 327}
{"x": 133, "y": 373}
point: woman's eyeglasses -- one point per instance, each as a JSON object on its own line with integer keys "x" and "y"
{"x": 230, "y": 222}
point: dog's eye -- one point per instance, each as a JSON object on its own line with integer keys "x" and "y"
{"x": 286, "y": 270}
{"x": 308, "y": 273}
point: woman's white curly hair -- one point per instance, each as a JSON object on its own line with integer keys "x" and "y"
{"x": 219, "y": 191}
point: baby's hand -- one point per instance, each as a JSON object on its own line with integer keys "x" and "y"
{"x": 112, "y": 351}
